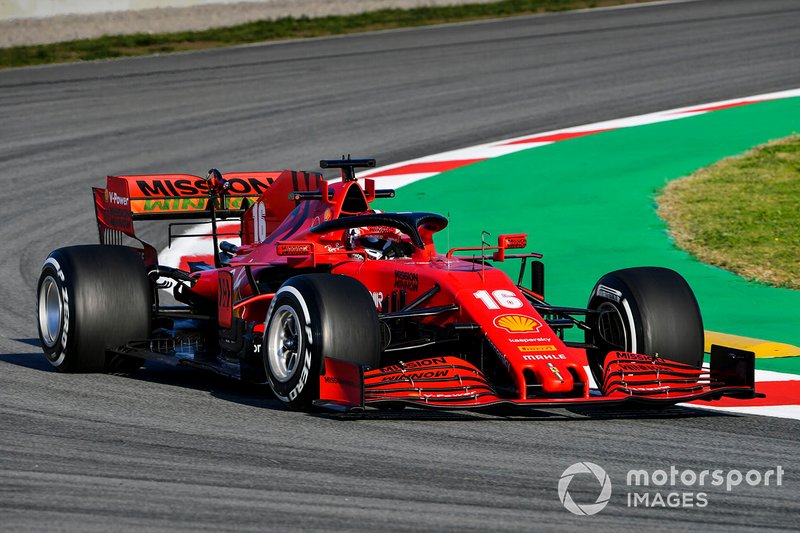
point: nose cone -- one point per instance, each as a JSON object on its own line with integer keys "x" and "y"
{"x": 555, "y": 379}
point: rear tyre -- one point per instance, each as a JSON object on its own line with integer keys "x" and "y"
{"x": 645, "y": 310}
{"x": 314, "y": 316}
{"x": 91, "y": 298}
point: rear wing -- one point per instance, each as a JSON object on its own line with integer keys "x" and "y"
{"x": 174, "y": 196}
{"x": 171, "y": 197}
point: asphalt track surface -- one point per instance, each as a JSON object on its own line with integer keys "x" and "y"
{"x": 178, "y": 449}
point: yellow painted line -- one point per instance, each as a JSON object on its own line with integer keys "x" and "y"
{"x": 760, "y": 347}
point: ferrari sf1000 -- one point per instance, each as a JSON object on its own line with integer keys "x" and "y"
{"x": 337, "y": 305}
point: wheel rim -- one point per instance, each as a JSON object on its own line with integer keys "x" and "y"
{"x": 51, "y": 311}
{"x": 611, "y": 327}
{"x": 284, "y": 344}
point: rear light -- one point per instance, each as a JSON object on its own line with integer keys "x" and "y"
{"x": 295, "y": 248}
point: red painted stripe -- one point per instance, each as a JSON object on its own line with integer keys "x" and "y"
{"x": 419, "y": 168}
{"x": 557, "y": 137}
{"x": 778, "y": 393}
{"x": 718, "y": 107}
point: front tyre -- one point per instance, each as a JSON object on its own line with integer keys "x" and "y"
{"x": 313, "y": 316}
{"x": 89, "y": 299}
{"x": 645, "y": 310}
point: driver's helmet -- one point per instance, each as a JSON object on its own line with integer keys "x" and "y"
{"x": 375, "y": 240}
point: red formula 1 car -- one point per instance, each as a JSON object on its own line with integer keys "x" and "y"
{"x": 337, "y": 305}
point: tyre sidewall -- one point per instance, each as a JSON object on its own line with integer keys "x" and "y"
{"x": 612, "y": 293}
{"x": 66, "y": 334}
{"x": 302, "y": 387}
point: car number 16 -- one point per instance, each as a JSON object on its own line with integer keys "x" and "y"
{"x": 499, "y": 298}
{"x": 259, "y": 222}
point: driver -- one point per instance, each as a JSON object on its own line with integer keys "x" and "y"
{"x": 379, "y": 242}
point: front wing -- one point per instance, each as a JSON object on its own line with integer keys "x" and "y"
{"x": 449, "y": 382}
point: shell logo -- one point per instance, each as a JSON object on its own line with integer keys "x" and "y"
{"x": 518, "y": 323}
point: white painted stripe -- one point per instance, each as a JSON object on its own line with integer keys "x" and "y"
{"x": 778, "y": 411}
{"x": 768, "y": 375}
{"x": 483, "y": 151}
{"x": 761, "y": 376}
{"x": 395, "y": 182}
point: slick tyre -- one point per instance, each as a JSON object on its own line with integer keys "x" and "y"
{"x": 89, "y": 299}
{"x": 645, "y": 310}
{"x": 311, "y": 317}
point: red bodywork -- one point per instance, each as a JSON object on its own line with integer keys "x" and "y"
{"x": 280, "y": 231}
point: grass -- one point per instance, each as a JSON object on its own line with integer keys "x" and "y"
{"x": 285, "y": 28}
{"x": 742, "y": 213}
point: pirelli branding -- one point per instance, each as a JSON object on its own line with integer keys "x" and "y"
{"x": 537, "y": 348}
